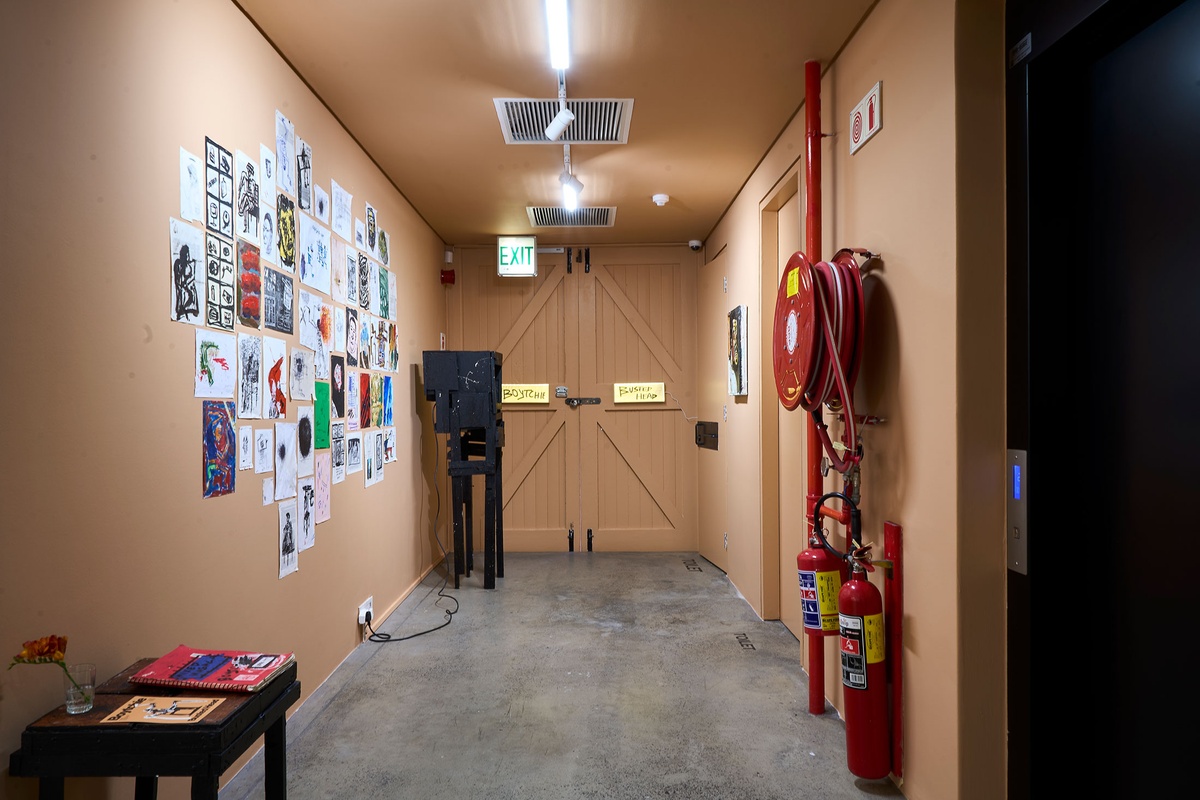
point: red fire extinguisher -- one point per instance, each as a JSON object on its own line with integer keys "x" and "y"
{"x": 864, "y": 674}
{"x": 820, "y": 574}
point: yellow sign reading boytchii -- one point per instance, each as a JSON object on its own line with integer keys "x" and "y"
{"x": 638, "y": 393}
{"x": 525, "y": 393}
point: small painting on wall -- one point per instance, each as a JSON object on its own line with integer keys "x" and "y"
{"x": 737, "y": 351}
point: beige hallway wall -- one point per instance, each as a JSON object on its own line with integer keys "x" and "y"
{"x": 935, "y": 466}
{"x": 105, "y": 535}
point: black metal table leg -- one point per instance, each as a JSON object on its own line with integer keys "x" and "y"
{"x": 275, "y": 758}
{"x": 469, "y": 513}
{"x": 51, "y": 787}
{"x": 145, "y": 787}
{"x": 499, "y": 515}
{"x": 456, "y": 504}
{"x": 489, "y": 532}
{"x": 204, "y": 787}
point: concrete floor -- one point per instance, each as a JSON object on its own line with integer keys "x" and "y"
{"x": 582, "y": 675}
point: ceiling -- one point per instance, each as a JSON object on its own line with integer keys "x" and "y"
{"x": 713, "y": 84}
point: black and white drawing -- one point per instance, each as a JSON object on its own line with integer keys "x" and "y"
{"x": 289, "y": 560}
{"x": 245, "y": 447}
{"x": 247, "y": 198}
{"x": 285, "y": 460}
{"x": 249, "y": 376}
{"x": 301, "y": 377}
{"x": 266, "y": 175}
{"x": 351, "y": 277}
{"x": 364, "y": 282}
{"x": 320, "y": 204}
{"x": 304, "y": 176}
{"x": 191, "y": 186}
{"x": 264, "y": 445}
{"x": 218, "y": 189}
{"x": 277, "y": 300}
{"x": 353, "y": 453}
{"x": 187, "y": 273}
{"x": 306, "y": 493}
{"x": 220, "y": 279}
{"x": 343, "y": 220}
{"x": 337, "y": 445}
{"x": 305, "y": 443}
{"x": 269, "y": 252}
{"x": 285, "y": 150}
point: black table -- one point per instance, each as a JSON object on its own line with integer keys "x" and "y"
{"x": 62, "y": 745}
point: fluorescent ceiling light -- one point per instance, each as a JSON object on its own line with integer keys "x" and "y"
{"x": 560, "y": 44}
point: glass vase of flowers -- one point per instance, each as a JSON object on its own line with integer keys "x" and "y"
{"x": 79, "y": 680}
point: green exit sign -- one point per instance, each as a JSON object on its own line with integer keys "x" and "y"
{"x": 516, "y": 256}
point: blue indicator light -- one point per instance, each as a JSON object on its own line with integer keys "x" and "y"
{"x": 1016, "y": 481}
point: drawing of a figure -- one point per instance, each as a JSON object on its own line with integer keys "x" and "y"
{"x": 278, "y": 407}
{"x": 364, "y": 282}
{"x": 187, "y": 300}
{"x": 371, "y": 228}
{"x": 248, "y": 200}
{"x": 268, "y": 235}
{"x": 289, "y": 539}
{"x": 304, "y": 176}
{"x": 351, "y": 338}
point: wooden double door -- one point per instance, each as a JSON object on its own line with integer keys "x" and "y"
{"x": 625, "y": 472}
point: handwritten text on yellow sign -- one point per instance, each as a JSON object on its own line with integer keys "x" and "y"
{"x": 638, "y": 393}
{"x": 525, "y": 393}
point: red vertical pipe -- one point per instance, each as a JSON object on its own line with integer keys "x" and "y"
{"x": 893, "y": 615}
{"x": 812, "y": 246}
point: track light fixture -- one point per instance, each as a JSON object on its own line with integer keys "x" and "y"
{"x": 561, "y": 120}
{"x": 571, "y": 189}
{"x": 571, "y": 185}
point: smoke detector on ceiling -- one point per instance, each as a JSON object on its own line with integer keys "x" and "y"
{"x": 660, "y": 199}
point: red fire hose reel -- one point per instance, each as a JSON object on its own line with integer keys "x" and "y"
{"x": 818, "y": 342}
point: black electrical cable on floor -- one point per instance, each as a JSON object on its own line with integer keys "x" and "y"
{"x": 387, "y": 638}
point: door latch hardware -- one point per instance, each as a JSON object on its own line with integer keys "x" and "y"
{"x": 575, "y": 402}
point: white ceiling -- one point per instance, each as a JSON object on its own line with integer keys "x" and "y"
{"x": 714, "y": 82}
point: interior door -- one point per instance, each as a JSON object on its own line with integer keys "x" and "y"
{"x": 793, "y": 437}
{"x": 530, "y": 322}
{"x": 637, "y": 323}
{"x": 624, "y": 472}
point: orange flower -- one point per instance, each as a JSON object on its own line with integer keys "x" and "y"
{"x": 46, "y": 650}
{"x": 41, "y": 651}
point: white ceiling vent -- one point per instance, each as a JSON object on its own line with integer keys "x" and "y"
{"x": 524, "y": 121}
{"x": 559, "y": 217}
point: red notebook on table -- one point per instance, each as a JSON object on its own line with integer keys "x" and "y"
{"x": 214, "y": 670}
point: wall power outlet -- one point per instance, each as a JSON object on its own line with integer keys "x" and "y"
{"x": 367, "y": 605}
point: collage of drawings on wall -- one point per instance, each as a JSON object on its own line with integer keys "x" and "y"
{"x": 293, "y": 376}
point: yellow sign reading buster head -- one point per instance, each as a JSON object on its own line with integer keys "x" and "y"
{"x": 638, "y": 393}
{"x": 525, "y": 393}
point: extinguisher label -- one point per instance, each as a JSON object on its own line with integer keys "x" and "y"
{"x": 818, "y": 599}
{"x": 861, "y": 644}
